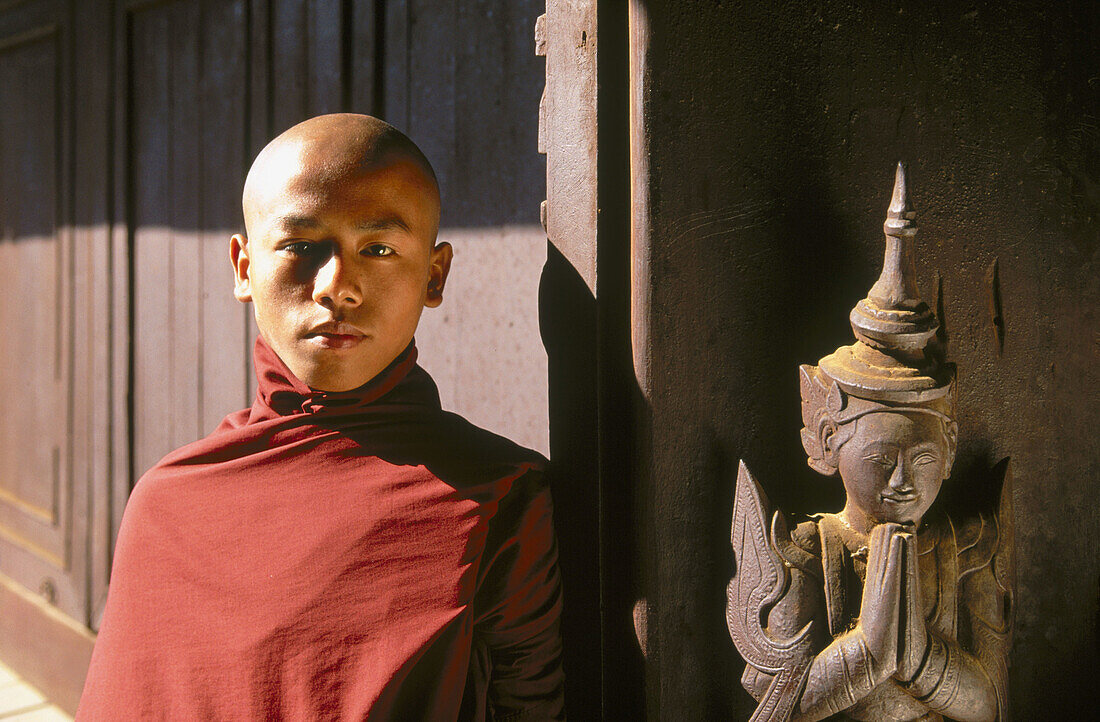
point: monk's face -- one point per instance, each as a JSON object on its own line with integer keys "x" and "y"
{"x": 893, "y": 467}
{"x": 340, "y": 267}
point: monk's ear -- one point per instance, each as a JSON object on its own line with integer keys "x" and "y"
{"x": 238, "y": 253}
{"x": 439, "y": 267}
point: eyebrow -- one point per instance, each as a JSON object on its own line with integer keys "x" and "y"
{"x": 371, "y": 226}
{"x": 382, "y": 224}
{"x": 297, "y": 222}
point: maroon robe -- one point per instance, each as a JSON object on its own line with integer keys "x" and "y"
{"x": 327, "y": 556}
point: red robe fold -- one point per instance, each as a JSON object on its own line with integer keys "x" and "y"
{"x": 337, "y": 556}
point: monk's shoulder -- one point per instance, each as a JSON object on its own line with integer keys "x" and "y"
{"x": 178, "y": 469}
{"x": 235, "y": 420}
{"x": 155, "y": 487}
{"x": 150, "y": 502}
{"x": 478, "y": 444}
{"x": 462, "y": 454}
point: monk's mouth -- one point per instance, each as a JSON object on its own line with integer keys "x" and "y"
{"x": 336, "y": 340}
{"x": 335, "y": 335}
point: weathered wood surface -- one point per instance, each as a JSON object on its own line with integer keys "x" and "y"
{"x": 36, "y": 494}
{"x": 190, "y": 357}
{"x": 42, "y": 519}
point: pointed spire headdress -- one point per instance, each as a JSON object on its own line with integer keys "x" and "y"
{"x": 896, "y": 362}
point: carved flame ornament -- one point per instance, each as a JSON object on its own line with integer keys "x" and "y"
{"x": 890, "y": 609}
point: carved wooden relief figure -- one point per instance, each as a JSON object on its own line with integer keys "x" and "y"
{"x": 888, "y": 610}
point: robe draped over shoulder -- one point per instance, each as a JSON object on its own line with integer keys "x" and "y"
{"x": 334, "y": 556}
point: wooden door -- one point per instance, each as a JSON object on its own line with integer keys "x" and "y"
{"x": 35, "y": 503}
{"x": 181, "y": 156}
{"x": 43, "y": 545}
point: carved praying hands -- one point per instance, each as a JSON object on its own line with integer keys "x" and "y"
{"x": 888, "y": 662}
{"x": 914, "y": 637}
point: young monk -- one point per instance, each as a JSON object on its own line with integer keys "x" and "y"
{"x": 344, "y": 549}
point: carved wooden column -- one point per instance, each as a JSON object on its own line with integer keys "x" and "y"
{"x": 585, "y": 325}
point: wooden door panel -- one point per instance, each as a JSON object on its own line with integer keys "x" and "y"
{"x": 226, "y": 358}
{"x": 306, "y": 60}
{"x": 45, "y": 465}
{"x": 36, "y": 540}
{"x": 163, "y": 167}
{"x": 187, "y": 126}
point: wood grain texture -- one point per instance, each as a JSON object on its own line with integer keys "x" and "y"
{"x": 226, "y": 357}
{"x": 187, "y": 162}
{"x": 364, "y": 86}
{"x": 37, "y": 546}
{"x": 431, "y": 89}
{"x": 45, "y": 646}
{"x": 394, "y": 57}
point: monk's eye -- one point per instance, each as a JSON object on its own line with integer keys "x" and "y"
{"x": 304, "y": 249}
{"x": 377, "y": 250}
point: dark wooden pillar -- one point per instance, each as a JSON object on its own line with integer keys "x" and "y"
{"x": 585, "y": 320}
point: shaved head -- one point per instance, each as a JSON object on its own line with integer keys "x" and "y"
{"x": 325, "y": 150}
{"x": 340, "y": 255}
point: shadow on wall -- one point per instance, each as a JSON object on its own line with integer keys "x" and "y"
{"x": 597, "y": 495}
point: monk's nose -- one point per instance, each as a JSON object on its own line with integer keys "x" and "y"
{"x": 335, "y": 284}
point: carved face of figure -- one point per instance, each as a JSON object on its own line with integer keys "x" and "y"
{"x": 339, "y": 269}
{"x": 893, "y": 466}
